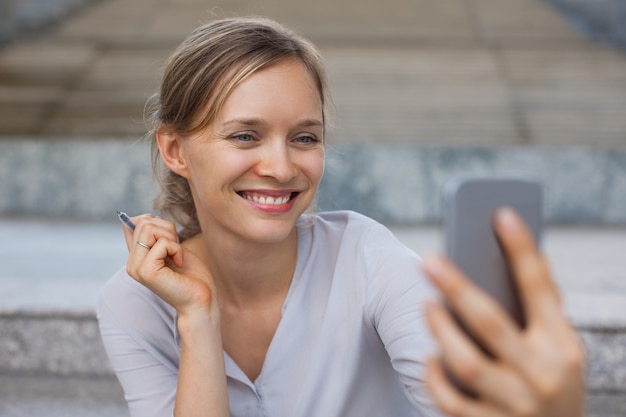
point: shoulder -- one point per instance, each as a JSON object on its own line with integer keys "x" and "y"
{"x": 369, "y": 234}
{"x": 358, "y": 238}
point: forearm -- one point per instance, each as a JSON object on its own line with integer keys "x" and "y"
{"x": 202, "y": 388}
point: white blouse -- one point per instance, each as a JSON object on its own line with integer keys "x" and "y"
{"x": 351, "y": 342}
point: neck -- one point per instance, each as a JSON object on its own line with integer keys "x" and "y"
{"x": 248, "y": 273}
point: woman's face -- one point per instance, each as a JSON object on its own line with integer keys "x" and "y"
{"x": 257, "y": 168}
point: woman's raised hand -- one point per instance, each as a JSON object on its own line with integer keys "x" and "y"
{"x": 535, "y": 371}
{"x": 159, "y": 261}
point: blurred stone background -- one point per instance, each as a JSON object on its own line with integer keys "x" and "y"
{"x": 602, "y": 20}
{"x": 423, "y": 90}
{"x": 469, "y": 81}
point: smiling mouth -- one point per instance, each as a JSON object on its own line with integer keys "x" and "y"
{"x": 275, "y": 200}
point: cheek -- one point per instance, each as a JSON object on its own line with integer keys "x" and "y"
{"x": 313, "y": 167}
{"x": 211, "y": 167}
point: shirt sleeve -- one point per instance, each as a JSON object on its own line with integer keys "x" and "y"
{"x": 396, "y": 297}
{"x": 138, "y": 331}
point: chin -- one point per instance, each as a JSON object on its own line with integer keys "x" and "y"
{"x": 273, "y": 231}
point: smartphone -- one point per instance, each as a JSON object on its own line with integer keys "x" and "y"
{"x": 469, "y": 205}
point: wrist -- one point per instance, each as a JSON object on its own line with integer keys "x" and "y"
{"x": 198, "y": 321}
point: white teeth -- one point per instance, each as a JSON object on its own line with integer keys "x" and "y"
{"x": 268, "y": 200}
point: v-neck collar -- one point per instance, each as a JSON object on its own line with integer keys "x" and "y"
{"x": 304, "y": 249}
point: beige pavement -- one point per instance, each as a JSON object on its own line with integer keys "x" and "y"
{"x": 418, "y": 71}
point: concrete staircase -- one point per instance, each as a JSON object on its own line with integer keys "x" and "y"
{"x": 423, "y": 90}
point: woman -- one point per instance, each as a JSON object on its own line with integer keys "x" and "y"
{"x": 254, "y": 308}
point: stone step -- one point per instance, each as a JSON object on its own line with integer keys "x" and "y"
{"x": 393, "y": 183}
{"x": 47, "y": 313}
{"x": 451, "y": 71}
{"x": 57, "y": 396}
{"x": 54, "y": 396}
{"x": 69, "y": 345}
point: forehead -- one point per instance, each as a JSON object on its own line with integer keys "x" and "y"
{"x": 286, "y": 88}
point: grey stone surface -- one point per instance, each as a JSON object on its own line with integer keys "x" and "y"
{"x": 74, "y": 260}
{"x": 397, "y": 183}
{"x": 606, "y": 405}
{"x": 606, "y": 349}
{"x": 66, "y": 345}
{"x": 446, "y": 72}
{"x": 402, "y": 183}
{"x": 49, "y": 266}
{"x": 54, "y": 396}
{"x": 587, "y": 264}
{"x": 48, "y": 325}
{"x": 75, "y": 179}
{"x": 19, "y": 16}
{"x": 601, "y": 19}
{"x": 52, "y": 344}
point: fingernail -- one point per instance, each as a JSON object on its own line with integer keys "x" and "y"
{"x": 507, "y": 218}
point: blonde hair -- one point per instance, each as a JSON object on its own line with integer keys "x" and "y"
{"x": 197, "y": 80}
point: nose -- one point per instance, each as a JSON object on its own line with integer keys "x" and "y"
{"x": 276, "y": 162}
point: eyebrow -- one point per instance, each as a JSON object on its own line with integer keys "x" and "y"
{"x": 262, "y": 122}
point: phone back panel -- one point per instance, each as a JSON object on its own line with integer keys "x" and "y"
{"x": 471, "y": 243}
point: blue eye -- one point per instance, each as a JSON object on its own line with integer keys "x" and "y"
{"x": 244, "y": 137}
{"x": 306, "y": 139}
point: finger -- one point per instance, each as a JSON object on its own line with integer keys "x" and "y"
{"x": 144, "y": 254}
{"x": 149, "y": 229}
{"x": 131, "y": 235}
{"x": 496, "y": 381}
{"x": 463, "y": 358}
{"x": 492, "y": 381}
{"x": 146, "y": 224}
{"x": 529, "y": 268}
{"x": 153, "y": 267}
{"x": 449, "y": 399}
{"x": 557, "y": 355}
{"x": 484, "y": 318}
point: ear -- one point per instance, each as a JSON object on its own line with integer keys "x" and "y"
{"x": 171, "y": 151}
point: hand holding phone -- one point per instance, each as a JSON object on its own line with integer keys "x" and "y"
{"x": 533, "y": 370}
